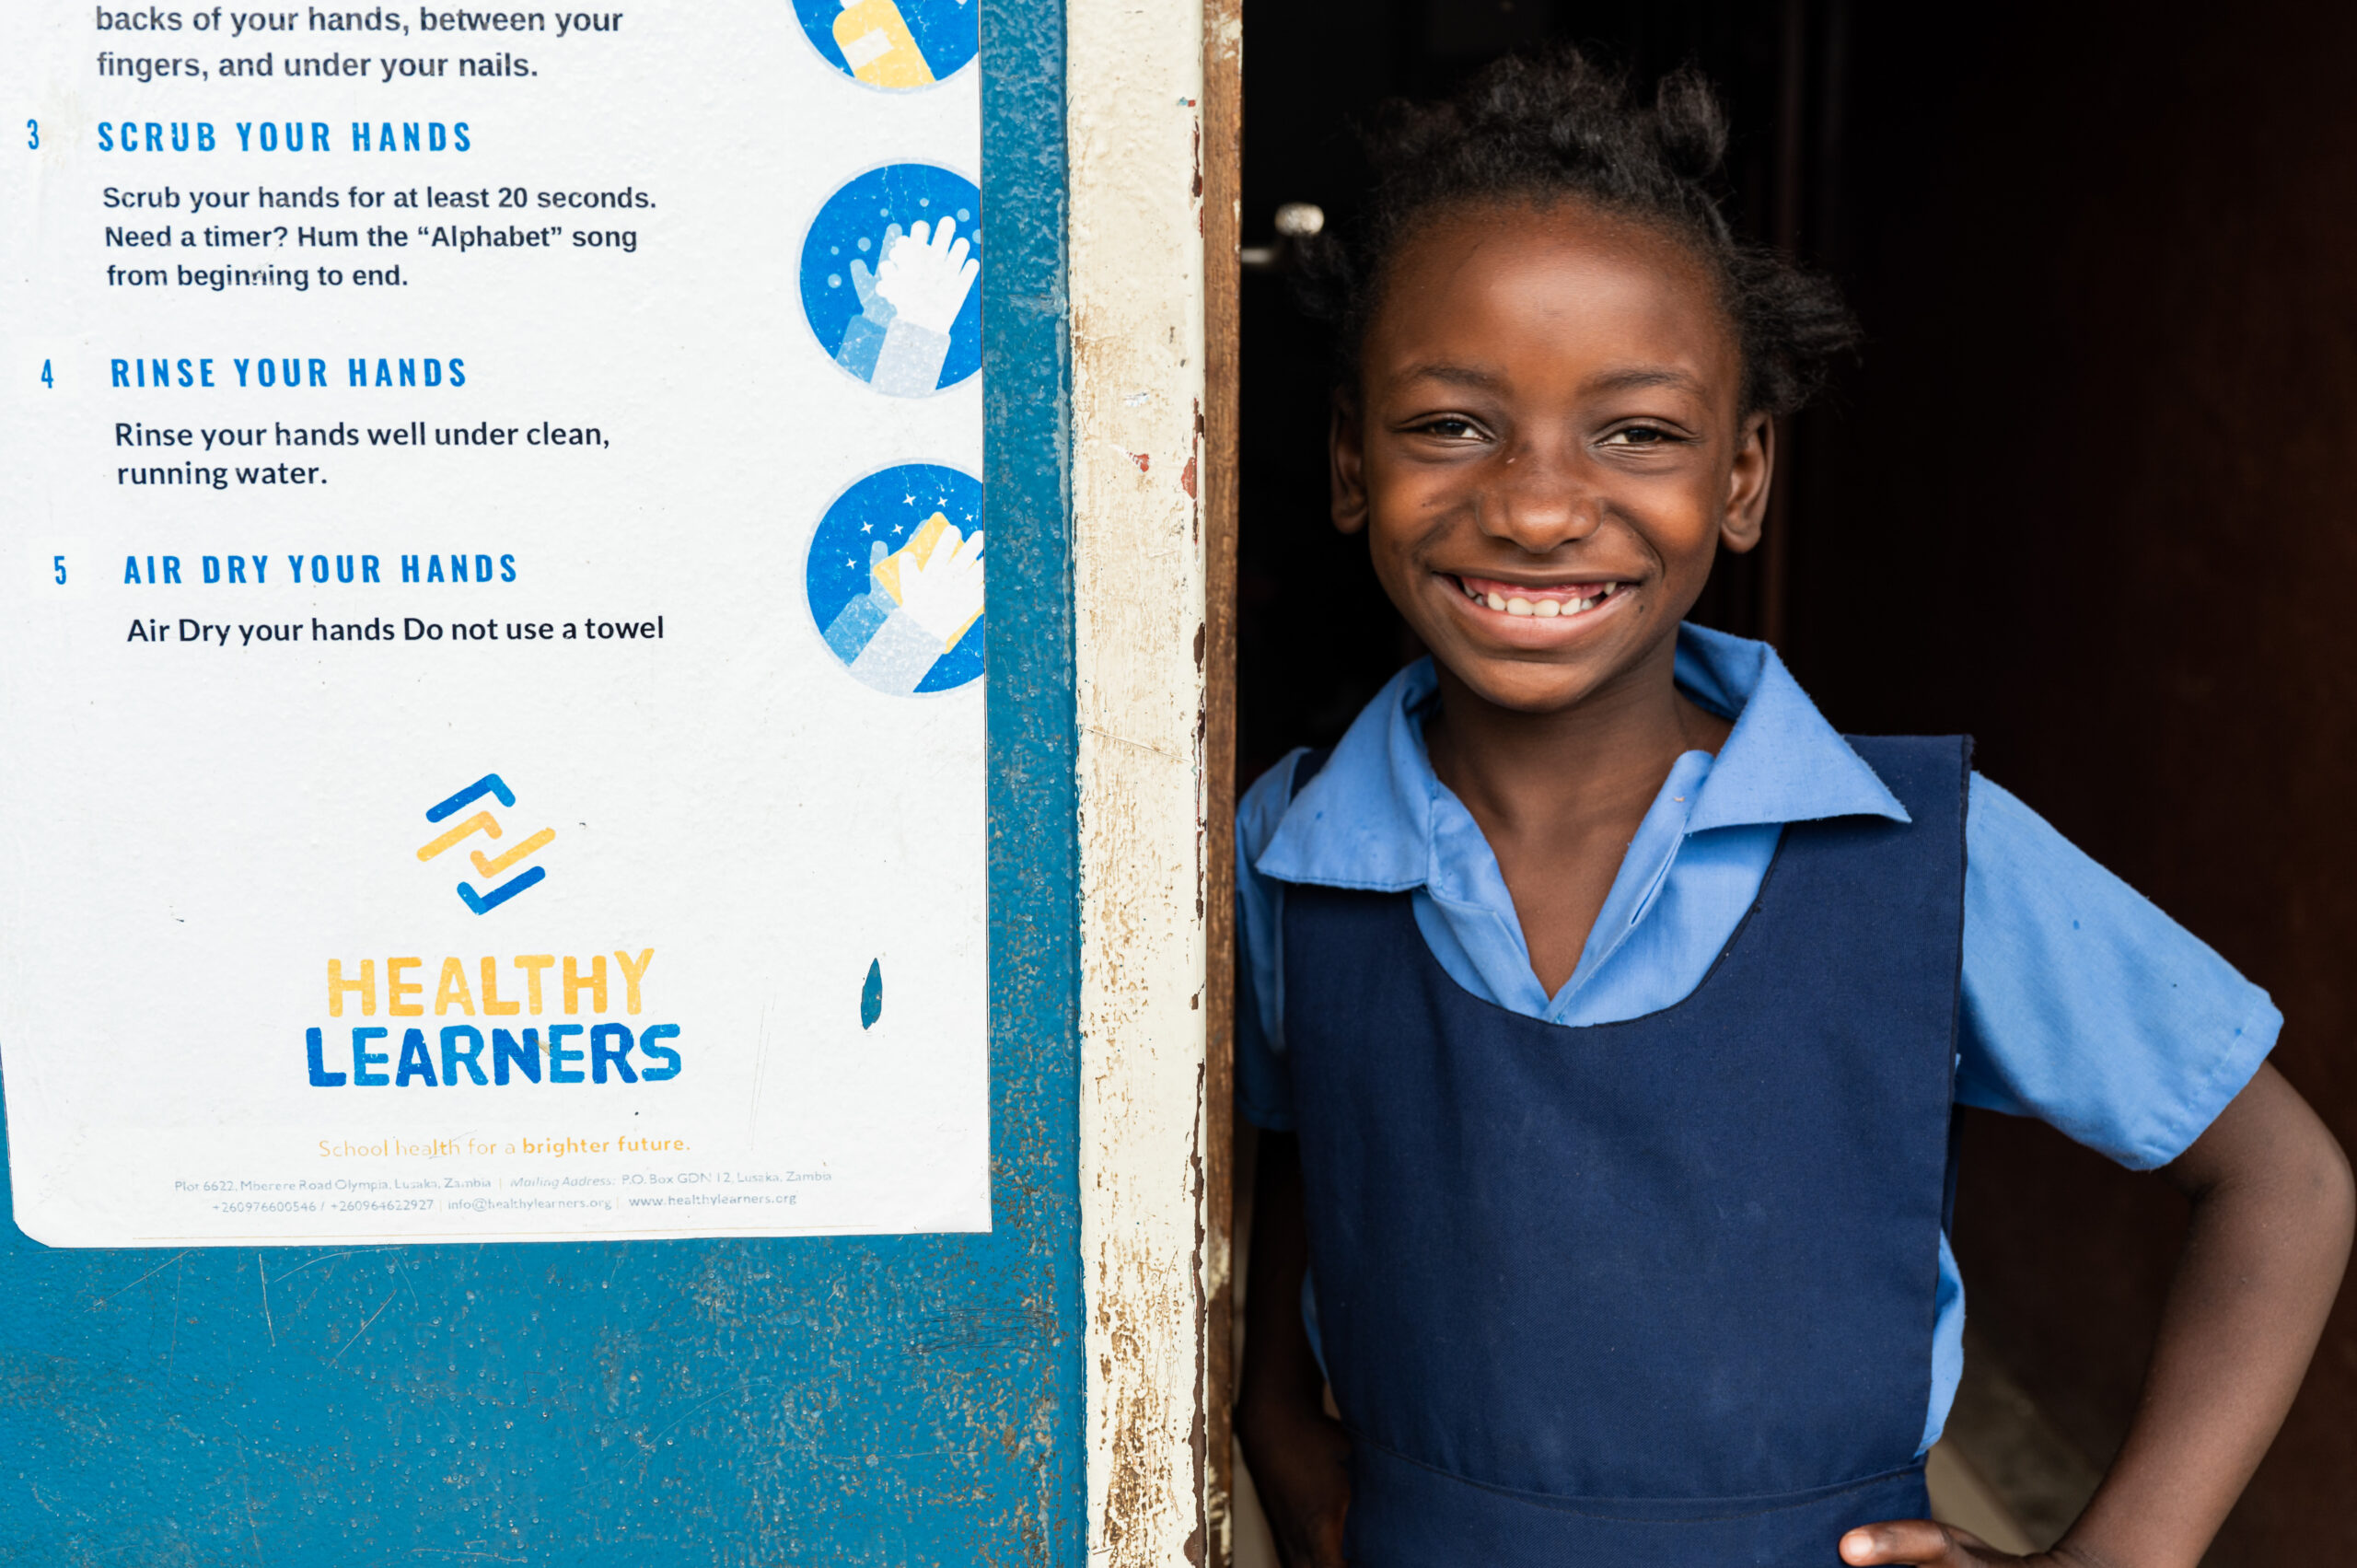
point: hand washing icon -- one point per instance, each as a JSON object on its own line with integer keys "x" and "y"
{"x": 483, "y": 822}
{"x": 899, "y": 340}
{"x": 891, "y": 272}
{"x": 898, "y": 45}
{"x": 894, "y": 579}
{"x": 878, "y": 47}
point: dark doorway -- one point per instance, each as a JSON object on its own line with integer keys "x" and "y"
{"x": 2084, "y": 497}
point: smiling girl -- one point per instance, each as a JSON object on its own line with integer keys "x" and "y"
{"x": 1606, "y": 1011}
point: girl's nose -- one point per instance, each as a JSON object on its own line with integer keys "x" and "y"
{"x": 1537, "y": 501}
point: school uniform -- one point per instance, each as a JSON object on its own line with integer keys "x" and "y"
{"x": 1655, "y": 1270}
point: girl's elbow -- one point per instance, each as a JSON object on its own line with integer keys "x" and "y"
{"x": 2316, "y": 1190}
{"x": 2334, "y": 1188}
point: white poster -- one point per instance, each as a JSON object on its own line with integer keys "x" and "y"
{"x": 490, "y": 715}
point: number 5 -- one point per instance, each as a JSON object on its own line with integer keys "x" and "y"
{"x": 59, "y": 562}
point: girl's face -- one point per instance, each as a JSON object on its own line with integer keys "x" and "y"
{"x": 1547, "y": 447}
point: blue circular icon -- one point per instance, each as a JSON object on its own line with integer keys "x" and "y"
{"x": 895, "y": 578}
{"x": 891, "y": 278}
{"x": 894, "y": 44}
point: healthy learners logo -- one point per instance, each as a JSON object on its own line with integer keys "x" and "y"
{"x": 889, "y": 271}
{"x": 898, "y": 45}
{"x": 496, "y": 1048}
{"x": 894, "y": 579}
{"x": 486, "y": 823}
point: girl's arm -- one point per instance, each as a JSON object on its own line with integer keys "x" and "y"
{"x": 1297, "y": 1452}
{"x": 2272, "y": 1206}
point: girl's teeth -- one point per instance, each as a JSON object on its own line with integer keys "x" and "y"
{"x": 1543, "y": 608}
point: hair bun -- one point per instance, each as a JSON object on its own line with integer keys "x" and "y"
{"x": 1692, "y": 127}
{"x": 1549, "y": 124}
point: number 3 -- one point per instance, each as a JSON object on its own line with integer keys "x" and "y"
{"x": 32, "y": 135}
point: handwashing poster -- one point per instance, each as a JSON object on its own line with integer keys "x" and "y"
{"x": 491, "y": 622}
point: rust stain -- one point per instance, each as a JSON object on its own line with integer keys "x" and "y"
{"x": 1187, "y": 480}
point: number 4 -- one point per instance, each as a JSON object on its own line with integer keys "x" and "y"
{"x": 47, "y": 378}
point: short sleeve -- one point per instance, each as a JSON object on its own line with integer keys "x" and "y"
{"x": 1263, "y": 1088}
{"x": 2087, "y": 1007}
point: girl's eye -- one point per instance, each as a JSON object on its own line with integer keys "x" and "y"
{"x": 1450, "y": 428}
{"x": 1640, "y": 435}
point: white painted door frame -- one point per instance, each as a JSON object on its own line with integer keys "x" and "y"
{"x": 1152, "y": 812}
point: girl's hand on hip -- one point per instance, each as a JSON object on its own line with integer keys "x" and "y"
{"x": 1920, "y": 1543}
{"x": 1300, "y": 1467}
{"x": 1299, "y": 1456}
{"x": 2272, "y": 1210}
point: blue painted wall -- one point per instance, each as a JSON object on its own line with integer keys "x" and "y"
{"x": 905, "y": 1401}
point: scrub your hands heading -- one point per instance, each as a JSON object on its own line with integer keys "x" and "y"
{"x": 1551, "y": 430}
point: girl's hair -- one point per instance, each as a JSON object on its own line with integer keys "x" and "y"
{"x": 1538, "y": 128}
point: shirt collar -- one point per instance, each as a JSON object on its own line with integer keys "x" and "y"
{"x": 1368, "y": 821}
{"x": 1782, "y": 762}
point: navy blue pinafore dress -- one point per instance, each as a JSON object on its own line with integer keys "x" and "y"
{"x": 1652, "y": 1292}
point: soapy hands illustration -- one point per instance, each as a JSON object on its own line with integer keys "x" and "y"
{"x": 927, "y": 278}
{"x": 907, "y": 304}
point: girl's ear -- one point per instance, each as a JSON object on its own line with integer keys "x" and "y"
{"x": 1747, "y": 481}
{"x": 1346, "y": 461}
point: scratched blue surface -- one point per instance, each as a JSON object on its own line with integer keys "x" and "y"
{"x": 840, "y": 1401}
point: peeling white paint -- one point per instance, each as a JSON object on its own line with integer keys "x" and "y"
{"x": 1134, "y": 77}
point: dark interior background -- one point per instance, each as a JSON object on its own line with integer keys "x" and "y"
{"x": 2088, "y": 495}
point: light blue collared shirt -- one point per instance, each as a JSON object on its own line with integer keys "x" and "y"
{"x": 2083, "y": 1004}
